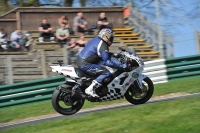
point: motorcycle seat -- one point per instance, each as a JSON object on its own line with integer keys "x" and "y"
{"x": 82, "y": 74}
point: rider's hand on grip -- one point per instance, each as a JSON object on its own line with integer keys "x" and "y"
{"x": 123, "y": 67}
{"x": 117, "y": 55}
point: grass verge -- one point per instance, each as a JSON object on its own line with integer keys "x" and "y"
{"x": 178, "y": 116}
{"x": 43, "y": 108}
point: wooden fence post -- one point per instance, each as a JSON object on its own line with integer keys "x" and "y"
{"x": 18, "y": 17}
{"x": 9, "y": 70}
{"x": 65, "y": 56}
{"x": 43, "y": 64}
{"x": 6, "y": 70}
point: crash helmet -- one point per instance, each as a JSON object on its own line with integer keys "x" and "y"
{"x": 107, "y": 36}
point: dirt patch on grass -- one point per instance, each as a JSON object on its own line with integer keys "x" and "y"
{"x": 169, "y": 95}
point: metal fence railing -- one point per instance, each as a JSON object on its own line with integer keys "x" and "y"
{"x": 149, "y": 31}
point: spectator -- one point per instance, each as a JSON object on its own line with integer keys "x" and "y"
{"x": 3, "y": 39}
{"x": 72, "y": 44}
{"x": 62, "y": 35}
{"x": 72, "y": 49}
{"x": 103, "y": 22}
{"x": 64, "y": 20}
{"x": 80, "y": 24}
{"x": 28, "y": 39}
{"x": 45, "y": 30}
{"x": 3, "y": 34}
{"x": 81, "y": 42}
{"x": 16, "y": 40}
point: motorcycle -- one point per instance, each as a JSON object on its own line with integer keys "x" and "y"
{"x": 136, "y": 87}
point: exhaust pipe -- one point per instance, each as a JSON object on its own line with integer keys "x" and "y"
{"x": 75, "y": 94}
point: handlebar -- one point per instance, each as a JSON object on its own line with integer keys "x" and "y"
{"x": 60, "y": 62}
{"x": 122, "y": 49}
{"x": 123, "y": 59}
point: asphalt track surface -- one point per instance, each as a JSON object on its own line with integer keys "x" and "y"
{"x": 91, "y": 110}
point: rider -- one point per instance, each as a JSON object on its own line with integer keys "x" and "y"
{"x": 93, "y": 53}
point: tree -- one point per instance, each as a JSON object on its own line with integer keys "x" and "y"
{"x": 21, "y": 3}
{"x": 4, "y": 7}
{"x": 30, "y": 3}
{"x": 83, "y": 2}
{"x": 68, "y": 3}
{"x": 148, "y": 8}
{"x": 195, "y": 11}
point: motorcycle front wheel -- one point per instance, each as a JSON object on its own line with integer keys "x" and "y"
{"x": 64, "y": 104}
{"x": 135, "y": 95}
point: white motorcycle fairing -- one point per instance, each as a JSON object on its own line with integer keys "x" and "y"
{"x": 123, "y": 86}
{"x": 136, "y": 74}
{"x": 67, "y": 71}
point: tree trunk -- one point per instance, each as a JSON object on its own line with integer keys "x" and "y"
{"x": 68, "y": 3}
{"x": 82, "y": 2}
{"x": 3, "y": 7}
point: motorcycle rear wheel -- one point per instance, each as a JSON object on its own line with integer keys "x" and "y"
{"x": 132, "y": 97}
{"x": 64, "y": 104}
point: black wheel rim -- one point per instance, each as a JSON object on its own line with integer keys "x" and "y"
{"x": 66, "y": 103}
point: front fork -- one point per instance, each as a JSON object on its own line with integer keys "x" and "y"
{"x": 138, "y": 83}
{"x": 139, "y": 80}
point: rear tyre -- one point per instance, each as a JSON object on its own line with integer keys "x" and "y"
{"x": 135, "y": 96}
{"x": 64, "y": 104}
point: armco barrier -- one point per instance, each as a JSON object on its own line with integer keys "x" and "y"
{"x": 180, "y": 67}
{"x": 30, "y": 91}
{"x": 159, "y": 71}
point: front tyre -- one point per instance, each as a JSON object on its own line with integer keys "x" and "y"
{"x": 135, "y": 95}
{"x": 64, "y": 104}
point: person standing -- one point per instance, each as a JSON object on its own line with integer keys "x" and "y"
{"x": 72, "y": 48}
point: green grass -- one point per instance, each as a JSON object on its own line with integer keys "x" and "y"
{"x": 177, "y": 116}
{"x": 42, "y": 108}
{"x": 190, "y": 85}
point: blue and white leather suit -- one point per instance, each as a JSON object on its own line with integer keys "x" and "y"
{"x": 92, "y": 55}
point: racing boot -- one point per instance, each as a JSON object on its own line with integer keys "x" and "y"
{"x": 90, "y": 90}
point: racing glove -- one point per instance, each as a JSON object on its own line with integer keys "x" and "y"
{"x": 123, "y": 67}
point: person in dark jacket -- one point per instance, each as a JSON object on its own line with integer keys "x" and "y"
{"x": 91, "y": 56}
